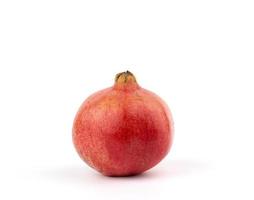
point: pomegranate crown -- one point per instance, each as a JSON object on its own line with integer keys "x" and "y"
{"x": 126, "y": 80}
{"x": 125, "y": 77}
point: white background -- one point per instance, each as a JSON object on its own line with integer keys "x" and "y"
{"x": 197, "y": 55}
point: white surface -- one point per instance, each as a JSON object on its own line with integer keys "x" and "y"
{"x": 197, "y": 55}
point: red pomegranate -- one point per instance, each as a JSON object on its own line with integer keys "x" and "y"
{"x": 123, "y": 130}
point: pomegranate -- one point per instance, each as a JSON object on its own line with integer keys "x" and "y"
{"x": 123, "y": 130}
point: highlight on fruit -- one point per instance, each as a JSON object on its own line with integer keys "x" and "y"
{"x": 123, "y": 130}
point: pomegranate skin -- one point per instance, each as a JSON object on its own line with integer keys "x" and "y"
{"x": 123, "y": 130}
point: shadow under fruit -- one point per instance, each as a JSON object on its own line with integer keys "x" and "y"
{"x": 123, "y": 130}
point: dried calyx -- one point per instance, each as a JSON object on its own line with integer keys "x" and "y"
{"x": 126, "y": 81}
{"x": 125, "y": 77}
